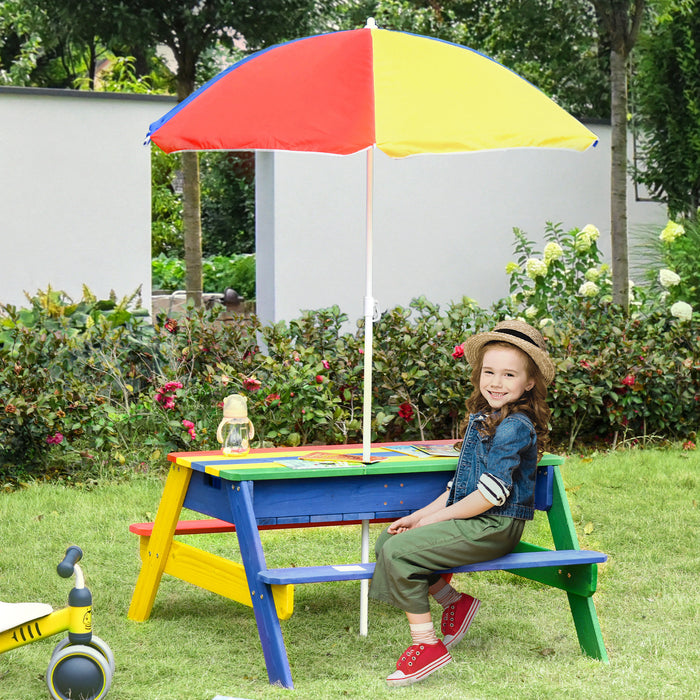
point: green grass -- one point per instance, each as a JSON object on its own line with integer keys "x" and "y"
{"x": 641, "y": 507}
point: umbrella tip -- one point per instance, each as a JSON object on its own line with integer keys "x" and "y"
{"x": 371, "y": 24}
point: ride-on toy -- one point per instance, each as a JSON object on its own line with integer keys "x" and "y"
{"x": 82, "y": 665}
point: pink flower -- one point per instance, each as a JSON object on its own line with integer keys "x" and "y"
{"x": 252, "y": 384}
{"x": 271, "y": 398}
{"x": 188, "y": 424}
{"x": 169, "y": 403}
{"x": 326, "y": 364}
{"x": 628, "y": 380}
{"x": 406, "y": 411}
{"x": 585, "y": 364}
{"x": 56, "y": 439}
{"x": 689, "y": 445}
{"x": 171, "y": 386}
{"x": 171, "y": 325}
{"x": 458, "y": 352}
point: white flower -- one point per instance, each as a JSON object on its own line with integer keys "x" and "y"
{"x": 593, "y": 274}
{"x": 592, "y": 231}
{"x": 535, "y": 268}
{"x": 531, "y": 312}
{"x": 512, "y": 267}
{"x": 630, "y": 291}
{"x": 682, "y": 310}
{"x": 671, "y": 232}
{"x": 668, "y": 278}
{"x": 552, "y": 251}
{"x": 546, "y": 322}
{"x": 588, "y": 289}
{"x": 583, "y": 242}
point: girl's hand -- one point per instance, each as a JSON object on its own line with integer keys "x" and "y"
{"x": 401, "y": 525}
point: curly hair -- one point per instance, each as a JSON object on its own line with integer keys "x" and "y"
{"x": 532, "y": 403}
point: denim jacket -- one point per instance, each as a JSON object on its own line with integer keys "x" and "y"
{"x": 510, "y": 455}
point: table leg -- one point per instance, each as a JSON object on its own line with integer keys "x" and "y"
{"x": 364, "y": 583}
{"x": 269, "y": 630}
{"x": 159, "y": 544}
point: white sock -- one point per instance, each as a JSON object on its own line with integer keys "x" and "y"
{"x": 447, "y": 595}
{"x": 423, "y": 633}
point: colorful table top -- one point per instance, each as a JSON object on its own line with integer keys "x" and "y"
{"x": 323, "y": 461}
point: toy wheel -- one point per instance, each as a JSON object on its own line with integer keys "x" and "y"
{"x": 78, "y": 672}
{"x": 96, "y": 643}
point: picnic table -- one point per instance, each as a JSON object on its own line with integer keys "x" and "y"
{"x": 275, "y": 488}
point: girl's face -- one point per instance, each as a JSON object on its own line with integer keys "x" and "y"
{"x": 504, "y": 378}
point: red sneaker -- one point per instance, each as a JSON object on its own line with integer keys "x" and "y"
{"x": 418, "y": 662}
{"x": 456, "y": 619}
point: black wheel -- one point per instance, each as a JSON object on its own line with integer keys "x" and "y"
{"x": 96, "y": 643}
{"x": 78, "y": 672}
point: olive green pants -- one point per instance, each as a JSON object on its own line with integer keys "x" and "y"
{"x": 406, "y": 562}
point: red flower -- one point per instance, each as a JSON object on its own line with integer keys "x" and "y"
{"x": 319, "y": 379}
{"x": 628, "y": 380}
{"x": 689, "y": 445}
{"x": 252, "y": 384}
{"x": 271, "y": 398}
{"x": 190, "y": 428}
{"x": 171, "y": 325}
{"x": 171, "y": 386}
{"x": 326, "y": 364}
{"x": 458, "y": 352}
{"x": 406, "y": 411}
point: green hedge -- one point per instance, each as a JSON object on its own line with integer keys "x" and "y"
{"x": 93, "y": 383}
{"x": 218, "y": 273}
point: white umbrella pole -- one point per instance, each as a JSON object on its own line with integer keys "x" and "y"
{"x": 367, "y": 400}
{"x": 369, "y": 316}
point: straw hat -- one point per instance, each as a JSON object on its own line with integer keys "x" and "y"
{"x": 517, "y": 333}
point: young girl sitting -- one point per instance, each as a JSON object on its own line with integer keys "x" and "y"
{"x": 481, "y": 514}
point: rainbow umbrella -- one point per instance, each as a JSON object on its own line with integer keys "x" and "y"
{"x": 362, "y": 89}
{"x": 350, "y": 91}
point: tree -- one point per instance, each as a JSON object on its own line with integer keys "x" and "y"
{"x": 552, "y": 43}
{"x": 42, "y": 46}
{"x": 666, "y": 94}
{"x": 621, "y": 21}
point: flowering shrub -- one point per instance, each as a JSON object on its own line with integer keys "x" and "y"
{"x": 92, "y": 384}
{"x": 617, "y": 375}
{"x": 570, "y": 266}
{"x": 678, "y": 279}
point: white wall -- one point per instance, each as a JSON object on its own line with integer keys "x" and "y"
{"x": 442, "y": 224}
{"x": 75, "y": 192}
{"x": 75, "y": 209}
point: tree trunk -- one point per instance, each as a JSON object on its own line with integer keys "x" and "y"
{"x": 192, "y": 224}
{"x": 618, "y": 176}
{"x": 191, "y": 214}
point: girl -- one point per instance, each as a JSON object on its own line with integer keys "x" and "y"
{"x": 482, "y": 513}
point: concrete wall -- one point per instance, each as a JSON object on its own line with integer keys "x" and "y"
{"x": 75, "y": 209}
{"x": 75, "y": 192}
{"x": 442, "y": 224}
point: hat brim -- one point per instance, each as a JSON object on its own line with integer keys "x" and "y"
{"x": 473, "y": 344}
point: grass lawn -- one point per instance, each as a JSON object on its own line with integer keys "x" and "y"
{"x": 641, "y": 507}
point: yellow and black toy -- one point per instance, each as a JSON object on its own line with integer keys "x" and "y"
{"x": 81, "y": 665}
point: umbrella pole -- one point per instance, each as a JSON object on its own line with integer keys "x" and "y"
{"x": 367, "y": 399}
{"x": 369, "y": 315}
